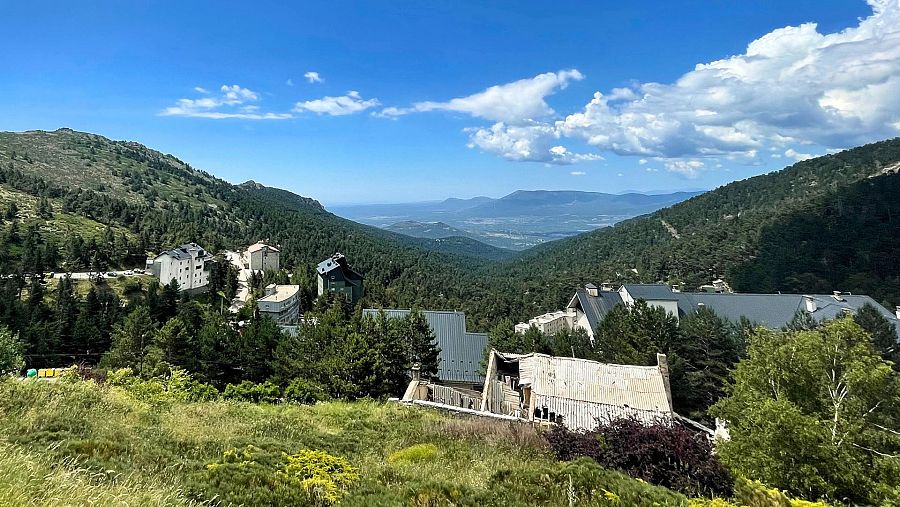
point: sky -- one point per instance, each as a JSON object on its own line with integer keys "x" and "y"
{"x": 398, "y": 101}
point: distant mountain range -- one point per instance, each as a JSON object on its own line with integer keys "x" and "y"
{"x": 517, "y": 221}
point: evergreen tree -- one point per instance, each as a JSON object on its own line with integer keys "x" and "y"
{"x": 130, "y": 340}
{"x": 883, "y": 333}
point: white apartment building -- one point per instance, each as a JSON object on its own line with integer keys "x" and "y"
{"x": 263, "y": 257}
{"x": 281, "y": 303}
{"x": 549, "y": 323}
{"x": 188, "y": 265}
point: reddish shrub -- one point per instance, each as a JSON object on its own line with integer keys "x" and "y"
{"x": 669, "y": 456}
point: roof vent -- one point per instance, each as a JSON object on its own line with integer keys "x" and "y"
{"x": 837, "y": 296}
{"x": 810, "y": 302}
{"x": 701, "y": 305}
{"x": 606, "y": 287}
{"x": 897, "y": 312}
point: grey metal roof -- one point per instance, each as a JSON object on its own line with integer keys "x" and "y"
{"x": 651, "y": 291}
{"x": 595, "y": 308}
{"x": 184, "y": 252}
{"x": 777, "y": 310}
{"x": 461, "y": 351}
{"x": 771, "y": 310}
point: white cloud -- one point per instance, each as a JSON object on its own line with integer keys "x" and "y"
{"x": 515, "y": 102}
{"x": 577, "y": 173}
{"x": 792, "y": 153}
{"x": 690, "y": 168}
{"x": 350, "y": 103}
{"x": 232, "y": 101}
{"x": 313, "y": 77}
{"x": 289, "y": 82}
{"x": 792, "y": 87}
{"x": 528, "y": 142}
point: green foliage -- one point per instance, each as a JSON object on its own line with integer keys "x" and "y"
{"x": 414, "y": 453}
{"x": 266, "y": 392}
{"x": 11, "y": 361}
{"x": 176, "y": 385}
{"x": 882, "y": 332}
{"x": 807, "y": 411}
{"x": 323, "y": 476}
{"x": 305, "y": 392}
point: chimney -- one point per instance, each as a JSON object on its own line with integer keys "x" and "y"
{"x": 897, "y": 312}
{"x": 663, "y": 365}
{"x": 810, "y": 303}
{"x": 592, "y": 290}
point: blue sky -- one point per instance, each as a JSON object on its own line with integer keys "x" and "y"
{"x": 426, "y": 100}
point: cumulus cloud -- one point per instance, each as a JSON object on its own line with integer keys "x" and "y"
{"x": 513, "y": 102}
{"x": 350, "y": 103}
{"x": 526, "y": 142}
{"x": 792, "y": 88}
{"x": 232, "y": 101}
{"x": 794, "y": 154}
{"x": 313, "y": 77}
{"x": 577, "y": 173}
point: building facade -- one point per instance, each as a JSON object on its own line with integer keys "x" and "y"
{"x": 263, "y": 257}
{"x": 281, "y": 303}
{"x": 188, "y": 265}
{"x": 589, "y": 306}
{"x": 336, "y": 277}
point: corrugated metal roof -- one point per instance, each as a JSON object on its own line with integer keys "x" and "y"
{"x": 461, "y": 351}
{"x": 636, "y": 387}
{"x": 595, "y": 308}
{"x": 771, "y": 310}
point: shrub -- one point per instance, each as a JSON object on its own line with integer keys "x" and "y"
{"x": 255, "y": 476}
{"x": 305, "y": 392}
{"x": 669, "y": 456}
{"x": 177, "y": 385}
{"x": 414, "y": 453}
{"x": 756, "y": 494}
{"x": 320, "y": 474}
{"x": 266, "y": 392}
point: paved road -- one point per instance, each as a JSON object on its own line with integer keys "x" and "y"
{"x": 89, "y": 274}
{"x": 243, "y": 292}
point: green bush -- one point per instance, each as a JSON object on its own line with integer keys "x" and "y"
{"x": 414, "y": 453}
{"x": 305, "y": 392}
{"x": 255, "y": 476}
{"x": 266, "y": 392}
{"x": 177, "y": 385}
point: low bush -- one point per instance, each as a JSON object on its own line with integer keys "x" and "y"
{"x": 305, "y": 392}
{"x": 255, "y": 476}
{"x": 176, "y": 385}
{"x": 665, "y": 455}
{"x": 266, "y": 392}
{"x": 414, "y": 453}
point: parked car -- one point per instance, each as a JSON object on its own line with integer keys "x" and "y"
{"x": 129, "y": 273}
{"x": 139, "y": 271}
{"x": 111, "y": 274}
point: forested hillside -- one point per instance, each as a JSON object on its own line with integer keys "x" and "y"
{"x": 72, "y": 200}
{"x": 78, "y": 201}
{"x": 824, "y": 224}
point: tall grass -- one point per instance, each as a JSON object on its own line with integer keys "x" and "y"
{"x": 96, "y": 445}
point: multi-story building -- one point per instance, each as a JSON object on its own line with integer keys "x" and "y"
{"x": 336, "y": 277}
{"x": 263, "y": 257}
{"x": 281, "y": 303}
{"x": 589, "y": 306}
{"x": 188, "y": 265}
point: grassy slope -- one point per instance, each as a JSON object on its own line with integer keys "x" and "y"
{"x": 98, "y": 445}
